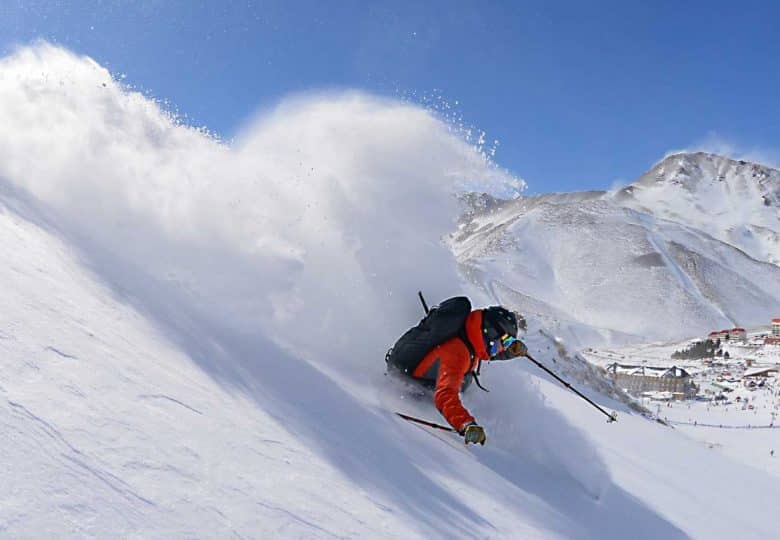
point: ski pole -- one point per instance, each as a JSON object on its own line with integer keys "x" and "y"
{"x": 424, "y": 422}
{"x": 612, "y": 417}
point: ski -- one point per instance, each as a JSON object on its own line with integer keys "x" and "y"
{"x": 425, "y": 422}
{"x": 438, "y": 433}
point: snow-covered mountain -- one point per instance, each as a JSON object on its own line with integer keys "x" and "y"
{"x": 737, "y": 202}
{"x": 691, "y": 246}
{"x": 192, "y": 335}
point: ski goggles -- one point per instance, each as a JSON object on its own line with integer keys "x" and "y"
{"x": 507, "y": 340}
{"x": 501, "y": 344}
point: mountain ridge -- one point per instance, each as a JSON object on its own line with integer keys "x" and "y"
{"x": 667, "y": 242}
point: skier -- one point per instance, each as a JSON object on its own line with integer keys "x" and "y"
{"x": 450, "y": 366}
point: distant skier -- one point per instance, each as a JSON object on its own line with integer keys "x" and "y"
{"x": 449, "y": 365}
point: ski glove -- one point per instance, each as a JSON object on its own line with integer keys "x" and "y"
{"x": 516, "y": 349}
{"x": 474, "y": 434}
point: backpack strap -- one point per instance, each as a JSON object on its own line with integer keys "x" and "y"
{"x": 464, "y": 338}
{"x": 472, "y": 356}
{"x": 476, "y": 379}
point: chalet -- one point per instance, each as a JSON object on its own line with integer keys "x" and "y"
{"x": 639, "y": 379}
{"x": 760, "y": 372}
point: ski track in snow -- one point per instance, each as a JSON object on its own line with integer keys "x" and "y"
{"x": 78, "y": 458}
{"x": 60, "y": 353}
{"x": 299, "y": 519}
{"x": 168, "y": 398}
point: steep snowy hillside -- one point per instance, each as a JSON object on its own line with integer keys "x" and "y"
{"x": 192, "y": 337}
{"x": 689, "y": 247}
{"x": 112, "y": 429}
{"x": 118, "y": 424}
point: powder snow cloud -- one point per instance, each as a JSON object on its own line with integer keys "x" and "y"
{"x": 325, "y": 213}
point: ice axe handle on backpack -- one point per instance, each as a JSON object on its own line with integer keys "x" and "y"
{"x": 422, "y": 300}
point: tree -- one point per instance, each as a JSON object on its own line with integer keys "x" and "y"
{"x": 697, "y": 350}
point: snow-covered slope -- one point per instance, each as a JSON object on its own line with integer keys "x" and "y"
{"x": 689, "y": 247}
{"x": 111, "y": 429}
{"x": 192, "y": 338}
{"x": 115, "y": 425}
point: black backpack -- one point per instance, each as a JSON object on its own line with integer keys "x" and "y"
{"x": 442, "y": 323}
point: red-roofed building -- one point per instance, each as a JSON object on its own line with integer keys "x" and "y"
{"x": 738, "y": 333}
{"x": 732, "y": 334}
{"x": 774, "y": 339}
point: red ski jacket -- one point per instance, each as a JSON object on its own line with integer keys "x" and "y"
{"x": 448, "y": 364}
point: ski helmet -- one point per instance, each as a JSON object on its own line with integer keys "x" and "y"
{"x": 498, "y": 321}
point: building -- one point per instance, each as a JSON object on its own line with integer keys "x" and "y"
{"x": 774, "y": 337}
{"x": 638, "y": 379}
{"x": 739, "y": 334}
{"x": 760, "y": 372}
{"x": 733, "y": 334}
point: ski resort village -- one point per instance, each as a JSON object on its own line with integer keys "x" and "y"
{"x": 704, "y": 369}
{"x": 722, "y": 387}
{"x": 726, "y": 368}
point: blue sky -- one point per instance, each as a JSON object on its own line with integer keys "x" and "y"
{"x": 579, "y": 94}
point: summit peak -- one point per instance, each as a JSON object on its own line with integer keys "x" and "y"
{"x": 692, "y": 169}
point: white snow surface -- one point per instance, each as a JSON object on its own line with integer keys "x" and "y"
{"x": 192, "y": 337}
